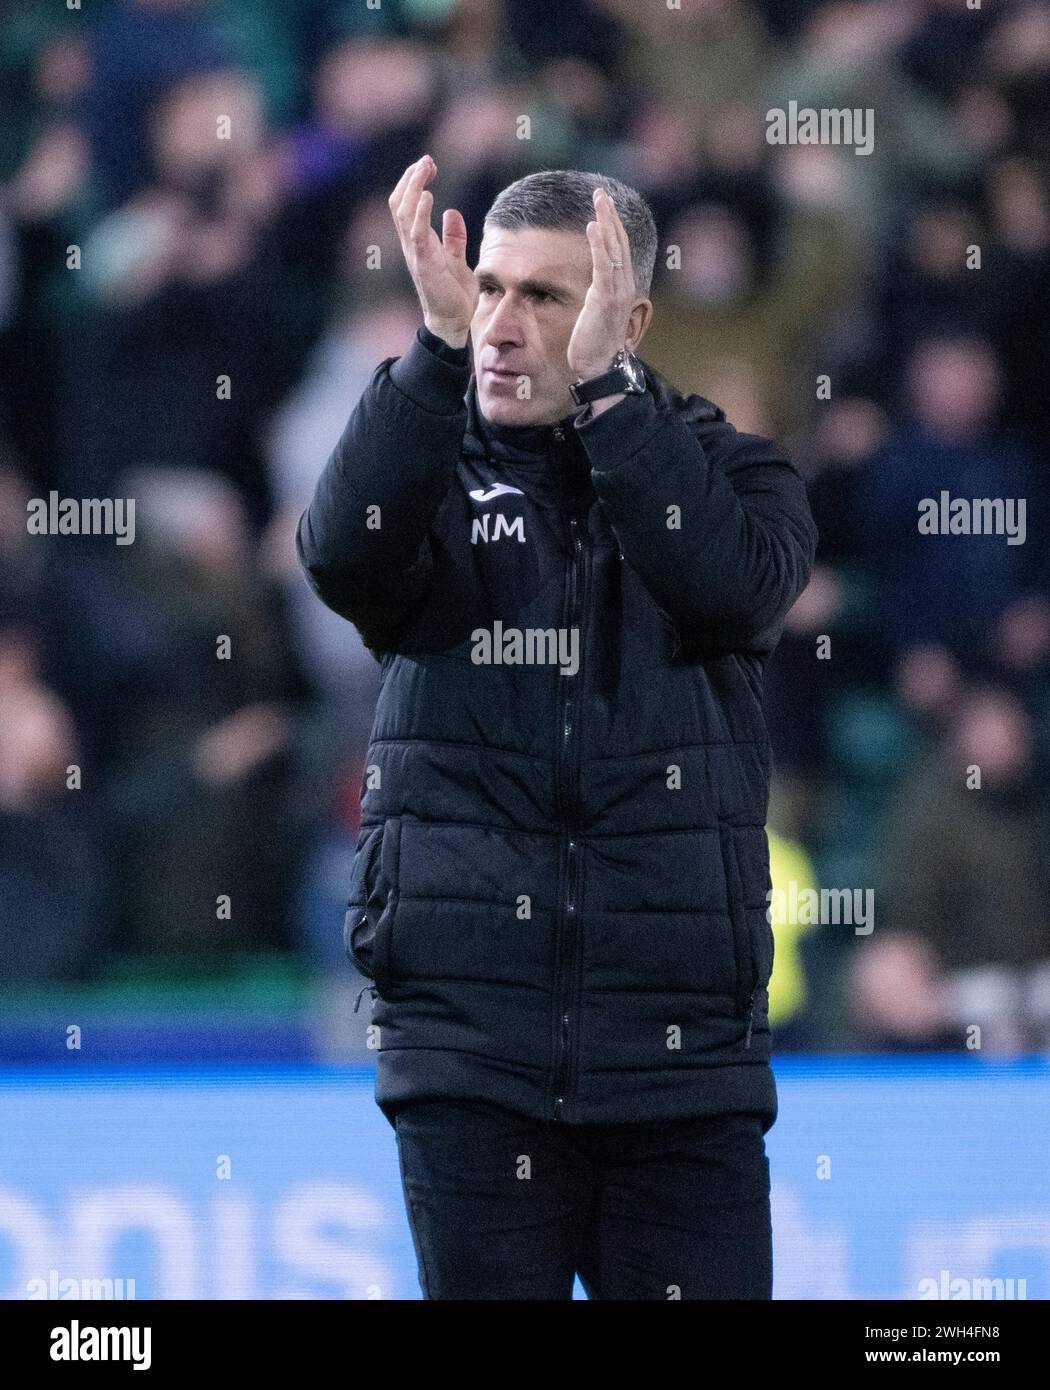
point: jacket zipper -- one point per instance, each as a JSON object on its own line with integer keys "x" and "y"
{"x": 568, "y": 721}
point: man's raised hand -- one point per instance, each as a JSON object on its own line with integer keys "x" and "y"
{"x": 444, "y": 282}
{"x": 601, "y": 328}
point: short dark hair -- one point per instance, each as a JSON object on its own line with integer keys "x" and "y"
{"x": 562, "y": 200}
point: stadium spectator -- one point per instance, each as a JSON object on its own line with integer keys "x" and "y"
{"x": 144, "y": 259}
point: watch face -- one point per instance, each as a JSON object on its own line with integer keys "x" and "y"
{"x": 634, "y": 371}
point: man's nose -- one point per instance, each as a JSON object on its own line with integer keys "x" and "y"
{"x": 504, "y": 325}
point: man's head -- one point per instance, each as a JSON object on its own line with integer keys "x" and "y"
{"x": 534, "y": 270}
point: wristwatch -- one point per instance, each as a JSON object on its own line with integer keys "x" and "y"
{"x": 625, "y": 374}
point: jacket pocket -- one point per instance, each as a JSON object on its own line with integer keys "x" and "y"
{"x": 743, "y": 948}
{"x": 372, "y": 903}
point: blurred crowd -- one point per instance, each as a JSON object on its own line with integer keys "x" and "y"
{"x": 198, "y": 275}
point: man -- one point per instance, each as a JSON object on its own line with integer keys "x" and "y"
{"x": 560, "y": 886}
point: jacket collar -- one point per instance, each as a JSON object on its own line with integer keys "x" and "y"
{"x": 531, "y": 445}
{"x": 508, "y": 443}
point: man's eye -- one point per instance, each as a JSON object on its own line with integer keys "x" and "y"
{"x": 486, "y": 288}
{"x": 543, "y": 296}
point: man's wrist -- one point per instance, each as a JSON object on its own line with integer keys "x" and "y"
{"x": 593, "y": 374}
{"x": 589, "y": 373}
{"x": 604, "y": 403}
{"x": 454, "y": 337}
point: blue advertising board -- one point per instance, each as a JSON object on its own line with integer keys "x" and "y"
{"x": 892, "y": 1177}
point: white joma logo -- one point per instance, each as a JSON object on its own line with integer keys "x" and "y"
{"x": 496, "y": 490}
{"x": 503, "y": 527}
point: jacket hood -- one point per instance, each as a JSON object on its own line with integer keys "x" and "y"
{"x": 516, "y": 443}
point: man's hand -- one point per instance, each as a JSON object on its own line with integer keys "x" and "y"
{"x": 601, "y": 328}
{"x": 444, "y": 282}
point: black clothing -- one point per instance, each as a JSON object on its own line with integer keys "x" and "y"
{"x": 561, "y": 883}
{"x": 505, "y": 1207}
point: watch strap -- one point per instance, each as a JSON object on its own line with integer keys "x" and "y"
{"x": 615, "y": 380}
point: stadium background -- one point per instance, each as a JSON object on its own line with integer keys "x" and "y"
{"x": 203, "y": 258}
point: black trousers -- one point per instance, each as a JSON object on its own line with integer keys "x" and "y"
{"x": 505, "y": 1207}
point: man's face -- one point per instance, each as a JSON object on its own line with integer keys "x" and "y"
{"x": 533, "y": 283}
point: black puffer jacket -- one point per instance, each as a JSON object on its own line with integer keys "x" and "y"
{"x": 560, "y": 885}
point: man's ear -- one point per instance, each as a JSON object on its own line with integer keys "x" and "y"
{"x": 638, "y": 324}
